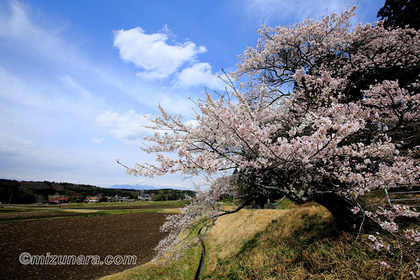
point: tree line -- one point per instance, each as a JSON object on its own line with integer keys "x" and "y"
{"x": 13, "y": 191}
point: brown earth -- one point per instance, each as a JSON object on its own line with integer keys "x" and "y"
{"x": 16, "y": 216}
{"x": 122, "y": 234}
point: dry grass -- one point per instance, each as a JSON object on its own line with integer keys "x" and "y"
{"x": 300, "y": 243}
{"x": 81, "y": 210}
{"x": 171, "y": 210}
{"x": 233, "y": 230}
{"x": 303, "y": 244}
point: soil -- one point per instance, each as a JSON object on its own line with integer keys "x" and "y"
{"x": 15, "y": 216}
{"x": 122, "y": 234}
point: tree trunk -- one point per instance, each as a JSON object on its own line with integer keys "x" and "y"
{"x": 341, "y": 210}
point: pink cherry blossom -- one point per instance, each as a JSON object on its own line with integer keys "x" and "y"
{"x": 320, "y": 108}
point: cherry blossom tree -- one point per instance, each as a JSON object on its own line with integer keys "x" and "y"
{"x": 317, "y": 111}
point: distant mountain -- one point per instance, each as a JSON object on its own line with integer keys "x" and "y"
{"x": 134, "y": 187}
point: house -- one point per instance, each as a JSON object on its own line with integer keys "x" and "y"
{"x": 56, "y": 199}
{"x": 63, "y": 200}
{"x": 144, "y": 197}
{"x": 92, "y": 199}
{"x": 126, "y": 199}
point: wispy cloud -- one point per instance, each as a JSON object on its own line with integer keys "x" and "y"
{"x": 29, "y": 33}
{"x": 97, "y": 140}
{"x": 50, "y": 93}
{"x": 12, "y": 144}
{"x": 128, "y": 127}
{"x": 298, "y": 10}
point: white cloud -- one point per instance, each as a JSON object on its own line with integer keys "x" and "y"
{"x": 128, "y": 127}
{"x": 199, "y": 75}
{"x": 152, "y": 53}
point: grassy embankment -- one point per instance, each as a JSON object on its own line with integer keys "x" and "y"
{"x": 295, "y": 243}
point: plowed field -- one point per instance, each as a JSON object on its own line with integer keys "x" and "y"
{"x": 121, "y": 234}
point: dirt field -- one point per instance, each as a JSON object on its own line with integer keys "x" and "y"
{"x": 121, "y": 234}
{"x": 15, "y": 216}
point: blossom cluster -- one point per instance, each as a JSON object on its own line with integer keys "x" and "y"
{"x": 325, "y": 108}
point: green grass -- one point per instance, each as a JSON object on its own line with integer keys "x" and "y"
{"x": 183, "y": 269}
{"x": 128, "y": 211}
{"x": 170, "y": 203}
{"x": 85, "y": 209}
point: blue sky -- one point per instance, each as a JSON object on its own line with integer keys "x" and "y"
{"x": 78, "y": 78}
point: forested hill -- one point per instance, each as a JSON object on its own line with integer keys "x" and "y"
{"x": 13, "y": 191}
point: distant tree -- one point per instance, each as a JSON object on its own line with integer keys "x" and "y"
{"x": 161, "y": 196}
{"x": 399, "y": 13}
{"x": 152, "y": 196}
{"x": 48, "y": 183}
{"x": 70, "y": 193}
{"x": 44, "y": 192}
{"x": 7, "y": 187}
{"x": 24, "y": 196}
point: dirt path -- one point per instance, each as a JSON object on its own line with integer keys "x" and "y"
{"x": 125, "y": 234}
